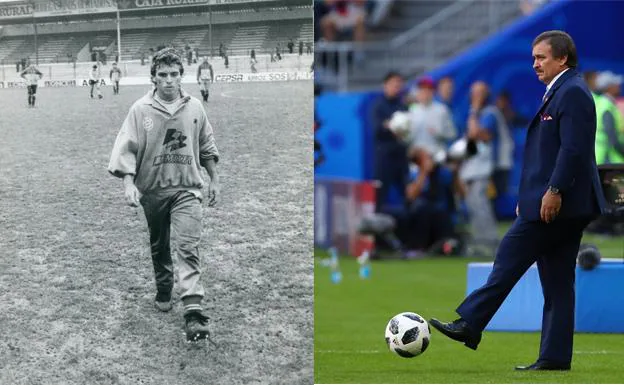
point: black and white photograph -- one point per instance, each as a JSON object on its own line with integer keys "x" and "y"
{"x": 156, "y": 194}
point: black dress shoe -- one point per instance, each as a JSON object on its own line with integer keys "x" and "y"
{"x": 458, "y": 330}
{"x": 544, "y": 365}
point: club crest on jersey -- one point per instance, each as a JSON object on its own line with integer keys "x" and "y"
{"x": 174, "y": 139}
{"x": 148, "y": 123}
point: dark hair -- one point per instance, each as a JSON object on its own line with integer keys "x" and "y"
{"x": 166, "y": 56}
{"x": 392, "y": 74}
{"x": 561, "y": 45}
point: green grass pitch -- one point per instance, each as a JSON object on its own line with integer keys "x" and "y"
{"x": 350, "y": 318}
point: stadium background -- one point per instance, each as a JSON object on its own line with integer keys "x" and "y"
{"x": 467, "y": 40}
{"x": 64, "y": 37}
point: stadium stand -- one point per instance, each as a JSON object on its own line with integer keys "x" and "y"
{"x": 418, "y": 36}
{"x": 241, "y": 26}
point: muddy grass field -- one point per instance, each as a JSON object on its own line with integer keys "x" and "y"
{"x": 76, "y": 278}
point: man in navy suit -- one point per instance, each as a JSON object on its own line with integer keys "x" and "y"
{"x": 560, "y": 194}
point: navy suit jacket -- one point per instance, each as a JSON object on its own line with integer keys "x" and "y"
{"x": 559, "y": 152}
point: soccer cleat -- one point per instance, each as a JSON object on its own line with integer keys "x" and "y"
{"x": 163, "y": 302}
{"x": 196, "y": 327}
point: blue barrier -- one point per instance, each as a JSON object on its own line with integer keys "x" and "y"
{"x": 599, "y": 299}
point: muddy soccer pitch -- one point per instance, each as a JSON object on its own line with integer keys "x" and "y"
{"x": 76, "y": 278}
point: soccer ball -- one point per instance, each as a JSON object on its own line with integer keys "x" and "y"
{"x": 400, "y": 123}
{"x": 408, "y": 335}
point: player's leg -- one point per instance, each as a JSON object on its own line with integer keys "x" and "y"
{"x": 117, "y": 87}
{"x": 186, "y": 226}
{"x": 156, "y": 208}
{"x": 98, "y": 88}
{"x": 556, "y": 271}
{"x": 207, "y": 88}
{"x": 203, "y": 90}
{"x": 29, "y": 90}
{"x": 91, "y": 85}
{"x": 34, "y": 93}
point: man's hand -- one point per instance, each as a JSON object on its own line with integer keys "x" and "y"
{"x": 551, "y": 204}
{"x": 131, "y": 192}
{"x": 213, "y": 193}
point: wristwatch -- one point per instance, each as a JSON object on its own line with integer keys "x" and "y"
{"x": 553, "y": 190}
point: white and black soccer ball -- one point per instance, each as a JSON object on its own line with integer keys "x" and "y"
{"x": 400, "y": 123}
{"x": 408, "y": 335}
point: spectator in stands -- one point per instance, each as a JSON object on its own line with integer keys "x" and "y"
{"x": 498, "y": 116}
{"x": 221, "y": 50}
{"x": 17, "y": 66}
{"x": 476, "y": 172}
{"x": 430, "y": 197}
{"x": 609, "y": 119}
{"x": 226, "y": 61}
{"x": 512, "y": 118}
{"x": 606, "y": 87}
{"x": 432, "y": 123}
{"x": 300, "y": 47}
{"x": 590, "y": 79}
{"x": 291, "y": 46}
{"x": 308, "y": 48}
{"x": 253, "y": 54}
{"x": 390, "y": 158}
{"x": 142, "y": 58}
{"x": 344, "y": 20}
{"x": 444, "y": 94}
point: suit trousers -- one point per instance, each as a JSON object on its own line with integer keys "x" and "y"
{"x": 180, "y": 213}
{"x": 554, "y": 246}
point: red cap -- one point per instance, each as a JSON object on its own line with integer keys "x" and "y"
{"x": 426, "y": 81}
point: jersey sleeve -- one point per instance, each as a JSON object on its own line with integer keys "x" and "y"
{"x": 207, "y": 146}
{"x": 123, "y": 158}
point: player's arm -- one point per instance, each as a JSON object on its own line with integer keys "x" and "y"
{"x": 209, "y": 157}
{"x": 110, "y": 75}
{"x": 198, "y": 72}
{"x": 23, "y": 74}
{"x": 577, "y": 125}
{"x": 123, "y": 159}
{"x": 211, "y": 75}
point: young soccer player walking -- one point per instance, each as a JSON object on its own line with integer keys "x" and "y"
{"x": 159, "y": 151}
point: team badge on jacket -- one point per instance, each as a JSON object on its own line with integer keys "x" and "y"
{"x": 148, "y": 123}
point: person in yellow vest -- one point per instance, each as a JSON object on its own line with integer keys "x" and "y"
{"x": 609, "y": 119}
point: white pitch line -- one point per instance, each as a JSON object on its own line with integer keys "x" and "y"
{"x": 349, "y": 351}
{"x": 226, "y": 95}
{"x": 595, "y": 352}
